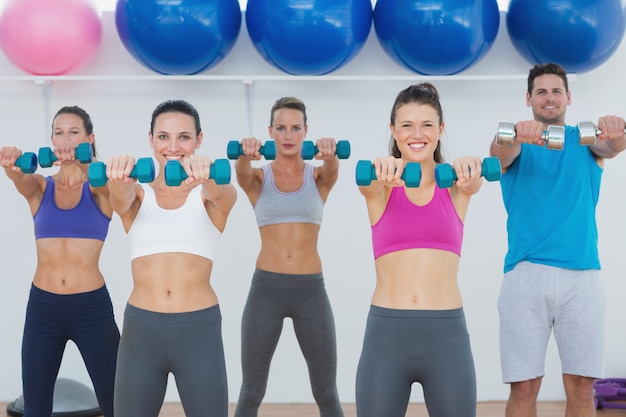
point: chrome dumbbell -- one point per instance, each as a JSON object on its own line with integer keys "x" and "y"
{"x": 554, "y": 136}
{"x": 588, "y": 133}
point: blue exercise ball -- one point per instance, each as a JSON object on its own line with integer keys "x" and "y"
{"x": 578, "y": 34}
{"x": 435, "y": 37}
{"x": 178, "y": 37}
{"x": 308, "y": 37}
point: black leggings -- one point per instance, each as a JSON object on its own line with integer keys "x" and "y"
{"x": 425, "y": 346}
{"x": 303, "y": 298}
{"x": 188, "y": 345}
{"x": 53, "y": 319}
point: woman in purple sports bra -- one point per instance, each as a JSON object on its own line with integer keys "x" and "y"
{"x": 68, "y": 298}
{"x": 416, "y": 329}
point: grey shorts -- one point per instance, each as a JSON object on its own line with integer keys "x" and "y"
{"x": 537, "y": 299}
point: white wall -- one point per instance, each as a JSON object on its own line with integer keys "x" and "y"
{"x": 474, "y": 102}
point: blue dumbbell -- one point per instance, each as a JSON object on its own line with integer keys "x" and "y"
{"x": 175, "y": 173}
{"x": 342, "y": 150}
{"x": 83, "y": 152}
{"x": 366, "y": 173}
{"x": 234, "y": 150}
{"x": 143, "y": 171}
{"x": 445, "y": 175}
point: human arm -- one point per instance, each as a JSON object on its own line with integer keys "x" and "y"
{"x": 326, "y": 175}
{"x": 31, "y": 186}
{"x": 81, "y": 156}
{"x": 123, "y": 191}
{"x": 218, "y": 199}
{"x": 218, "y": 195}
{"x": 249, "y": 178}
{"x": 388, "y": 174}
{"x": 468, "y": 172}
{"x": 528, "y": 131}
{"x": 611, "y": 140}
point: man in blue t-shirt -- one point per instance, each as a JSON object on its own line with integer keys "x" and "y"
{"x": 551, "y": 273}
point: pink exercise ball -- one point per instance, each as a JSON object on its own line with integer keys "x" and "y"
{"x": 50, "y": 37}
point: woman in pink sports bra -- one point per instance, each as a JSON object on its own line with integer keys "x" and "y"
{"x": 68, "y": 298}
{"x": 416, "y": 330}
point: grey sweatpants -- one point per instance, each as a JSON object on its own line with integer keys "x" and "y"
{"x": 188, "y": 345}
{"x": 271, "y": 299}
{"x": 430, "y": 347}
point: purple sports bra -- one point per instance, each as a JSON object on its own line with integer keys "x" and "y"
{"x": 404, "y": 225}
{"x": 85, "y": 221}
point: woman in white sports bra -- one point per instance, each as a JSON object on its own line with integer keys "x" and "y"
{"x": 416, "y": 330}
{"x": 172, "y": 322}
{"x": 288, "y": 196}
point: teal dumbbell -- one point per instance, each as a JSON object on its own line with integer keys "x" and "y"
{"x": 366, "y": 173}
{"x": 234, "y": 150}
{"x": 342, "y": 150}
{"x": 83, "y": 152}
{"x": 175, "y": 173}
{"x": 143, "y": 171}
{"x": 27, "y": 162}
{"x": 445, "y": 175}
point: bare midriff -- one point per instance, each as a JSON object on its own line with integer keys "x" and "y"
{"x": 68, "y": 265}
{"x": 290, "y": 248}
{"x": 172, "y": 283}
{"x": 417, "y": 279}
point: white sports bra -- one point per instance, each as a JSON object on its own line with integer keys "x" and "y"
{"x": 187, "y": 229}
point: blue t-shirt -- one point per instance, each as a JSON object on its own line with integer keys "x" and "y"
{"x": 551, "y": 199}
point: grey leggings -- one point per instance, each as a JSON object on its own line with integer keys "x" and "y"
{"x": 189, "y": 345}
{"x": 430, "y": 347}
{"x": 303, "y": 298}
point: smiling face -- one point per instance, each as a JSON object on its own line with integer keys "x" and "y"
{"x": 549, "y": 99}
{"x": 417, "y": 131}
{"x": 288, "y": 129}
{"x": 174, "y": 136}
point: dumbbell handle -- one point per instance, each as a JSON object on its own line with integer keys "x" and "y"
{"x": 445, "y": 174}
{"x": 366, "y": 173}
{"x": 175, "y": 173}
{"x": 234, "y": 150}
{"x": 554, "y": 135}
{"x": 588, "y": 133}
{"x": 143, "y": 171}
{"x": 342, "y": 150}
{"x": 83, "y": 152}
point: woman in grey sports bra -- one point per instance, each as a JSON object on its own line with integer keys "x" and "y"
{"x": 288, "y": 197}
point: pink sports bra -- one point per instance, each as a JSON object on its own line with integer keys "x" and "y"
{"x": 404, "y": 225}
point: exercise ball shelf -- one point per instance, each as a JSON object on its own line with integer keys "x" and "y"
{"x": 249, "y": 79}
